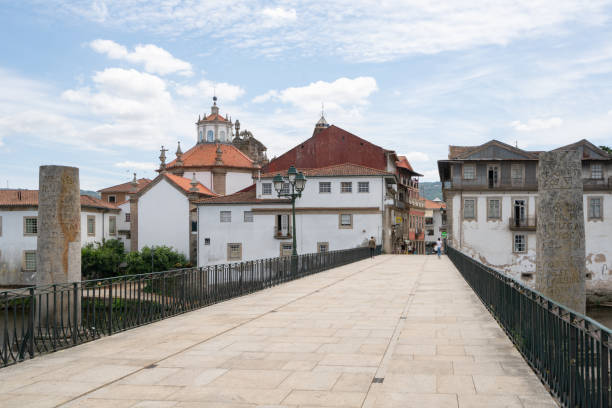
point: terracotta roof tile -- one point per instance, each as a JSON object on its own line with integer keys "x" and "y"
{"x": 205, "y": 154}
{"x": 125, "y": 187}
{"x": 245, "y": 196}
{"x": 185, "y": 184}
{"x": 29, "y": 198}
{"x": 433, "y": 205}
{"x": 403, "y": 162}
{"x": 346, "y": 169}
{"x": 456, "y": 151}
{"x": 214, "y": 116}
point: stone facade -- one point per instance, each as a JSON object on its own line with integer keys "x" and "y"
{"x": 560, "y": 255}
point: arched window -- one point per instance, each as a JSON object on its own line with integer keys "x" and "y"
{"x": 201, "y": 136}
{"x": 222, "y": 135}
{"x": 210, "y": 136}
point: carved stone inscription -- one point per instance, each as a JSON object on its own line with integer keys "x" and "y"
{"x": 59, "y": 225}
{"x": 560, "y": 264}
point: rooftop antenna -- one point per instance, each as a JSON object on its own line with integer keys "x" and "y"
{"x": 516, "y": 143}
{"x": 322, "y": 109}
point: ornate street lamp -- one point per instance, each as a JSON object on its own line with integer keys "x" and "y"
{"x": 297, "y": 182}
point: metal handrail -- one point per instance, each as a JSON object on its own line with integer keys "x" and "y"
{"x": 42, "y": 319}
{"x": 570, "y": 352}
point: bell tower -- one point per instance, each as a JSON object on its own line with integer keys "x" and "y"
{"x": 214, "y": 128}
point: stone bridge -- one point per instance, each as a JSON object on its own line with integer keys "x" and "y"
{"x": 396, "y": 331}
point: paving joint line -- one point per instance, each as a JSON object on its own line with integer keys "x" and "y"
{"x": 401, "y": 322}
{"x": 227, "y": 330}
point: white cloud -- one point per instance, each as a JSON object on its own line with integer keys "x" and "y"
{"x": 537, "y": 124}
{"x": 155, "y": 60}
{"x": 356, "y": 30}
{"x": 417, "y": 157}
{"x": 206, "y": 89}
{"x": 136, "y": 165}
{"x": 341, "y": 94}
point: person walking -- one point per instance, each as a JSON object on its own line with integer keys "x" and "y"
{"x": 439, "y": 247}
{"x": 372, "y": 245}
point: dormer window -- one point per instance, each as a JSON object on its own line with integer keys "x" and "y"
{"x": 210, "y": 136}
{"x": 596, "y": 171}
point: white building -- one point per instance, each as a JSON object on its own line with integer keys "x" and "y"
{"x": 19, "y": 231}
{"x": 435, "y": 221}
{"x": 491, "y": 192}
{"x": 341, "y": 207}
{"x": 163, "y": 213}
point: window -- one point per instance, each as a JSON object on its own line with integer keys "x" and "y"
{"x": 282, "y": 225}
{"x": 234, "y": 252}
{"x": 91, "y": 225}
{"x": 520, "y": 243}
{"x": 29, "y": 260}
{"x": 596, "y": 171}
{"x": 248, "y": 216}
{"x": 363, "y": 187}
{"x": 469, "y": 208}
{"x": 194, "y": 226}
{"x": 322, "y": 246}
{"x": 127, "y": 217}
{"x": 285, "y": 189}
{"x": 210, "y": 136}
{"x": 226, "y": 216}
{"x": 206, "y": 241}
{"x": 324, "y": 187}
{"x": 469, "y": 172}
{"x": 443, "y": 218}
{"x": 112, "y": 199}
{"x": 201, "y": 136}
{"x": 595, "y": 208}
{"x": 286, "y": 249}
{"x": 428, "y": 220}
{"x": 222, "y": 134}
{"x": 346, "y": 187}
{"x": 516, "y": 173}
{"x": 494, "y": 208}
{"x": 430, "y": 232}
{"x": 112, "y": 225}
{"x": 493, "y": 176}
{"x": 266, "y": 188}
{"x": 30, "y": 225}
{"x": 346, "y": 221}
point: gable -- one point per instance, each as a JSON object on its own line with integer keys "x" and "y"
{"x": 495, "y": 150}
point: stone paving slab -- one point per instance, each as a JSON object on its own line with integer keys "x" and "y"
{"x": 396, "y": 331}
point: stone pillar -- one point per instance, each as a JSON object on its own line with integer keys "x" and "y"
{"x": 560, "y": 265}
{"x": 58, "y": 249}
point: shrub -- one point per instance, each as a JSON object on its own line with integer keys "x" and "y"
{"x": 160, "y": 258}
{"x": 102, "y": 260}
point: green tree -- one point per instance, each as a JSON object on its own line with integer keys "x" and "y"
{"x": 155, "y": 259}
{"x": 102, "y": 260}
{"x": 607, "y": 149}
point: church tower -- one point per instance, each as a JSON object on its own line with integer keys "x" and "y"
{"x": 214, "y": 128}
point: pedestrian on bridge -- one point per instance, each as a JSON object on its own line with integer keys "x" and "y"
{"x": 439, "y": 247}
{"x": 372, "y": 245}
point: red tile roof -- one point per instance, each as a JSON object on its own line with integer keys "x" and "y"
{"x": 205, "y": 154}
{"x": 214, "y": 116}
{"x": 185, "y": 184}
{"x": 403, "y": 162}
{"x": 126, "y": 187}
{"x": 346, "y": 169}
{"x": 245, "y": 196}
{"x": 434, "y": 205}
{"x": 29, "y": 198}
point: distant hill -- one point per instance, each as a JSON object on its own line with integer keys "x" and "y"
{"x": 90, "y": 193}
{"x": 431, "y": 189}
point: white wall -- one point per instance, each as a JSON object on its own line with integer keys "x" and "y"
{"x": 163, "y": 218}
{"x": 204, "y": 177}
{"x": 12, "y": 245}
{"x": 258, "y": 237}
{"x": 599, "y": 240}
{"x": 312, "y": 198}
{"x": 236, "y": 181}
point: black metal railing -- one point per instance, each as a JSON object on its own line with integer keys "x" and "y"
{"x": 523, "y": 223}
{"x": 569, "y": 352}
{"x": 42, "y": 319}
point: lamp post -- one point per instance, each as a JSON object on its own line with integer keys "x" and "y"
{"x": 297, "y": 182}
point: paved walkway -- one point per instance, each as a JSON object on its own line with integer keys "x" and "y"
{"x": 398, "y": 331}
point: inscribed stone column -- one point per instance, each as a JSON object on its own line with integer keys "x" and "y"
{"x": 560, "y": 265}
{"x": 59, "y": 236}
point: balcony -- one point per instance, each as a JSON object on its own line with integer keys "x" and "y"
{"x": 522, "y": 224}
{"x": 282, "y": 233}
{"x": 597, "y": 184}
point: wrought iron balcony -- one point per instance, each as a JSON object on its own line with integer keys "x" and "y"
{"x": 523, "y": 224}
{"x": 597, "y": 184}
{"x": 282, "y": 234}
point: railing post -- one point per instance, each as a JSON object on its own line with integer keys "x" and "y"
{"x": 110, "y": 308}
{"x": 75, "y": 320}
{"x": 31, "y": 323}
{"x": 604, "y": 355}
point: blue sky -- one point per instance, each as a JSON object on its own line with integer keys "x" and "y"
{"x": 102, "y": 84}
